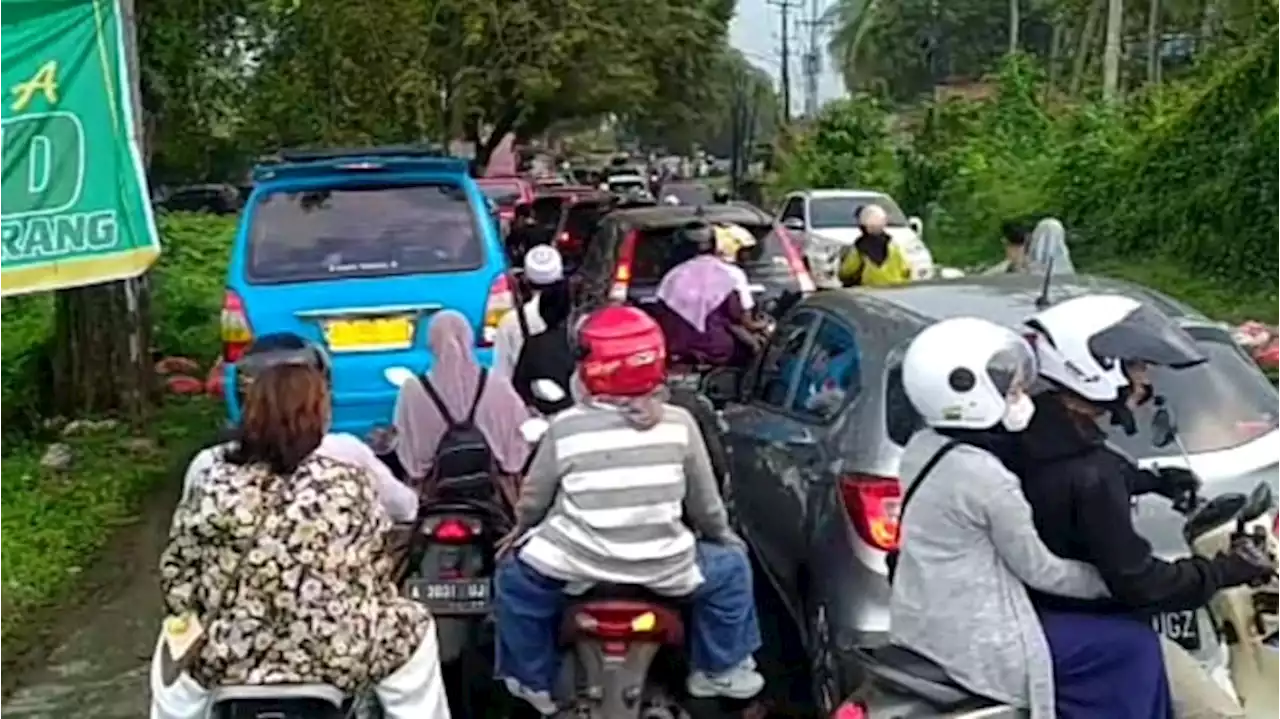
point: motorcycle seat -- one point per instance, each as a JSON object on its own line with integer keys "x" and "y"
{"x": 279, "y": 701}
{"x": 903, "y": 670}
{"x": 604, "y": 591}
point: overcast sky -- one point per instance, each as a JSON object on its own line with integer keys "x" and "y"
{"x": 757, "y": 32}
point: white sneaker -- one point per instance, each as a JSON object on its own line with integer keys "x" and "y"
{"x": 740, "y": 682}
{"x": 540, "y": 700}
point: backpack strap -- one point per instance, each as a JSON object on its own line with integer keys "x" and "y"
{"x": 439, "y": 403}
{"x": 891, "y": 557}
{"x": 475, "y": 402}
{"x": 470, "y": 421}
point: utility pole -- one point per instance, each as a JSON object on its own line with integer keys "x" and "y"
{"x": 785, "y": 7}
{"x": 813, "y": 58}
{"x": 1111, "y": 50}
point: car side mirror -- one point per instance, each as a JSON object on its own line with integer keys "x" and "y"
{"x": 1164, "y": 430}
{"x": 916, "y": 225}
{"x": 794, "y": 223}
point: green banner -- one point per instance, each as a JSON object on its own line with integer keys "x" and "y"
{"x": 75, "y": 208}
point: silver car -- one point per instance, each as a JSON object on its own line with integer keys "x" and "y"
{"x": 815, "y": 439}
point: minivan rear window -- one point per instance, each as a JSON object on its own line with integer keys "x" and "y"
{"x": 371, "y": 231}
{"x": 657, "y": 252}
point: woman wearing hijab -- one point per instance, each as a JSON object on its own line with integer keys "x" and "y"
{"x": 606, "y": 499}
{"x": 700, "y": 308}
{"x": 874, "y": 260}
{"x": 462, "y": 386}
{"x": 1049, "y": 244}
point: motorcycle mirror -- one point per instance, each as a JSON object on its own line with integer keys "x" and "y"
{"x": 532, "y": 429}
{"x": 397, "y": 375}
{"x": 1163, "y": 428}
{"x": 547, "y": 390}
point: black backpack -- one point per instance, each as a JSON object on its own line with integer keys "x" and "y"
{"x": 463, "y": 451}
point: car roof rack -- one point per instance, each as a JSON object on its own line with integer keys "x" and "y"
{"x": 299, "y": 155}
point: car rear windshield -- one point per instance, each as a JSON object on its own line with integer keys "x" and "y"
{"x": 504, "y": 194}
{"x": 583, "y": 218}
{"x": 688, "y": 194}
{"x": 1218, "y": 405}
{"x": 370, "y": 231}
{"x": 825, "y": 212}
{"x": 657, "y": 252}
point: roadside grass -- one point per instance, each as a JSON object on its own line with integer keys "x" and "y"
{"x": 54, "y": 524}
{"x": 1216, "y": 298}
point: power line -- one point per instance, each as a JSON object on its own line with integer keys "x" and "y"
{"x": 785, "y": 6}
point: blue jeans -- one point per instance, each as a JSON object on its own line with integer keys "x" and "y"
{"x": 724, "y": 629}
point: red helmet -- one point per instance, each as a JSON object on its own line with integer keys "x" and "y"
{"x": 623, "y": 352}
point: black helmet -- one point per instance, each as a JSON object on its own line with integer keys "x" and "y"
{"x": 274, "y": 349}
{"x": 721, "y": 196}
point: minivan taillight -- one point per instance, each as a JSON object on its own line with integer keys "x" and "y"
{"x": 622, "y": 273}
{"x": 500, "y": 302}
{"x": 873, "y": 504}
{"x": 237, "y": 333}
{"x": 796, "y": 260}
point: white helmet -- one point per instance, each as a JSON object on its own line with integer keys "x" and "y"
{"x": 968, "y": 373}
{"x": 1082, "y": 343}
{"x": 671, "y": 200}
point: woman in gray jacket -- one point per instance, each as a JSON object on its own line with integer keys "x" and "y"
{"x": 969, "y": 548}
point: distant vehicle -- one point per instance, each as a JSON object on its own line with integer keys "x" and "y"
{"x": 814, "y": 485}
{"x": 688, "y": 193}
{"x": 827, "y": 222}
{"x": 575, "y": 213}
{"x": 506, "y": 193}
{"x": 355, "y": 249}
{"x": 213, "y": 198}
{"x": 634, "y": 248}
{"x": 625, "y": 184}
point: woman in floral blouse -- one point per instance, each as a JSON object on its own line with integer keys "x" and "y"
{"x": 281, "y": 555}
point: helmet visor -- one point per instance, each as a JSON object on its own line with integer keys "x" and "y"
{"x": 1146, "y": 335}
{"x": 1013, "y": 368}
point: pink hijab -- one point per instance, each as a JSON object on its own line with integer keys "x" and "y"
{"x": 695, "y": 288}
{"x": 454, "y": 375}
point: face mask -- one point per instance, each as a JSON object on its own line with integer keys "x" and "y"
{"x": 1017, "y": 416}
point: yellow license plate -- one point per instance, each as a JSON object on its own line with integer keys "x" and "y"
{"x": 369, "y": 335}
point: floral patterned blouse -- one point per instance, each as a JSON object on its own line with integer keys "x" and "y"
{"x": 314, "y": 601}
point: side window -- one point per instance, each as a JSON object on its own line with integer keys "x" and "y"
{"x": 793, "y": 208}
{"x": 832, "y": 374}
{"x": 781, "y": 362}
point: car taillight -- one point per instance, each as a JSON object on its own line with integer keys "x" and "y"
{"x": 850, "y": 710}
{"x": 796, "y": 260}
{"x": 872, "y": 504}
{"x": 622, "y": 275}
{"x": 452, "y": 531}
{"x": 500, "y": 302}
{"x": 236, "y": 331}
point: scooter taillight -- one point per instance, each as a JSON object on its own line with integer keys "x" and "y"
{"x": 850, "y": 710}
{"x": 609, "y": 622}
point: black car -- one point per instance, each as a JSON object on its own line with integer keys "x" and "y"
{"x": 634, "y": 248}
{"x": 815, "y": 436}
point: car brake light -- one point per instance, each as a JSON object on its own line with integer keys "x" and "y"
{"x": 622, "y": 275}
{"x": 796, "y": 261}
{"x": 850, "y": 710}
{"x": 500, "y": 302}
{"x": 873, "y": 504}
{"x": 452, "y": 531}
{"x": 236, "y": 331}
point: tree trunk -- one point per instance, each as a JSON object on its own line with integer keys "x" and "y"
{"x": 1153, "y": 42}
{"x": 1087, "y": 35}
{"x": 1015, "y": 24}
{"x": 1055, "y": 59}
{"x": 102, "y": 359}
{"x": 1111, "y": 50}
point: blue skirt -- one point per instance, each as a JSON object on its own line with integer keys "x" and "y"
{"x": 1106, "y": 667}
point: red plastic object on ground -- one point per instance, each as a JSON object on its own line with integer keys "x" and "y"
{"x": 215, "y": 383}
{"x": 184, "y": 384}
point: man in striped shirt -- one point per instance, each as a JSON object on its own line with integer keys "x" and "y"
{"x": 606, "y": 501}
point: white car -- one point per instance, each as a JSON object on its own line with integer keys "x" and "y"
{"x": 825, "y": 223}
{"x": 625, "y": 184}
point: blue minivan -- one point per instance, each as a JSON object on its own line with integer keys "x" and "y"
{"x": 355, "y": 250}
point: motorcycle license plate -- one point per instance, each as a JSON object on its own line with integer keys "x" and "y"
{"x": 456, "y": 596}
{"x": 1182, "y": 627}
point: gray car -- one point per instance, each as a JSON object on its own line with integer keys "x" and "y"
{"x": 816, "y": 435}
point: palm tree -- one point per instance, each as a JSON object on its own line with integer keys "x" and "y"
{"x": 852, "y": 21}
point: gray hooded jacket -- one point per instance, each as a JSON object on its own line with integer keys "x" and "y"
{"x": 969, "y": 550}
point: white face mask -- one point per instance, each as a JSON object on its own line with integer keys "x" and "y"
{"x": 1017, "y": 416}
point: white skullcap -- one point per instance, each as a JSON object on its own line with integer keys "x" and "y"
{"x": 543, "y": 265}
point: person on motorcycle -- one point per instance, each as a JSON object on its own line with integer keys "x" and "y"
{"x": 622, "y": 451}
{"x": 721, "y": 196}
{"x": 970, "y": 552}
{"x": 700, "y": 309}
{"x": 548, "y": 355}
{"x": 1093, "y": 352}
{"x": 286, "y": 348}
{"x": 454, "y": 389}
{"x": 874, "y": 260}
{"x": 731, "y": 240}
{"x": 254, "y": 593}
{"x": 543, "y": 268}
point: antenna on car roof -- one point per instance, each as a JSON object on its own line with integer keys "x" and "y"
{"x": 1043, "y": 300}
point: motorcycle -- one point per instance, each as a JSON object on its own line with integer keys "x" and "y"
{"x": 622, "y": 646}
{"x": 904, "y": 685}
